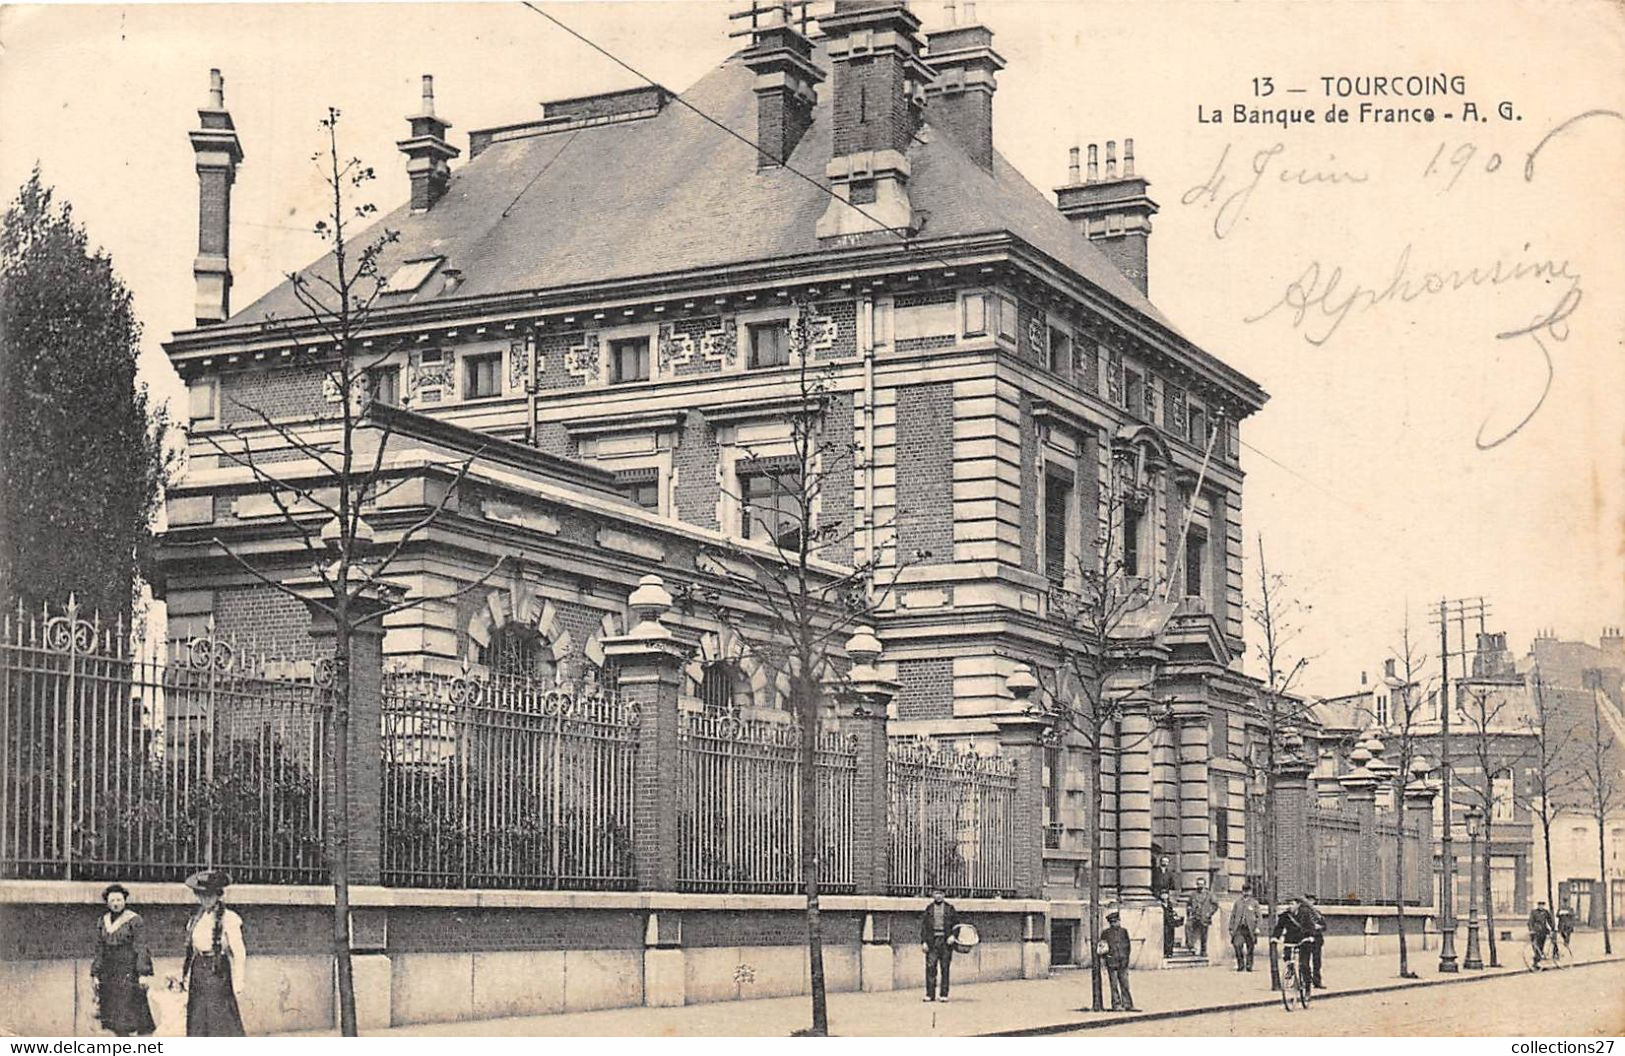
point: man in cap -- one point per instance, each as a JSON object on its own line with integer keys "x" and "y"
{"x": 1114, "y": 953}
{"x": 936, "y": 932}
{"x": 1541, "y": 927}
{"x": 1245, "y": 925}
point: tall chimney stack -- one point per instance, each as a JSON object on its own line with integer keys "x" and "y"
{"x": 960, "y": 99}
{"x": 879, "y": 88}
{"x": 1114, "y": 213}
{"x": 786, "y": 86}
{"x": 218, "y": 153}
{"x": 427, "y": 152}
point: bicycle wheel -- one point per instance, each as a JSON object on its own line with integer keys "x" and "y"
{"x": 1303, "y": 990}
{"x": 1288, "y": 984}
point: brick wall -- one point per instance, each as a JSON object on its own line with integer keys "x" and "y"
{"x": 927, "y": 688}
{"x": 845, "y": 315}
{"x": 554, "y": 439}
{"x": 277, "y": 392}
{"x": 553, "y": 349}
{"x": 214, "y": 212}
{"x": 270, "y": 619}
{"x": 695, "y": 462}
{"x": 684, "y": 348}
{"x": 836, "y": 508}
{"x": 871, "y": 109}
{"x": 925, "y": 477}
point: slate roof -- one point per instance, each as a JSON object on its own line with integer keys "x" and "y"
{"x": 672, "y": 193}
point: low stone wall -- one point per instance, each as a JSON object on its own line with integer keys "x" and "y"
{"x": 425, "y": 956}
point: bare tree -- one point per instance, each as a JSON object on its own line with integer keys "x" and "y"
{"x": 806, "y": 592}
{"x": 1279, "y": 614}
{"x": 1403, "y": 718}
{"x": 1077, "y": 696}
{"x": 324, "y": 510}
{"x": 1599, "y": 780}
{"x": 1552, "y": 771}
{"x": 1489, "y": 740}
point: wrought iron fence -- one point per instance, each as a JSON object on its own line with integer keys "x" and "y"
{"x": 117, "y": 763}
{"x": 504, "y": 783}
{"x": 951, "y": 820}
{"x": 1334, "y": 856}
{"x": 739, "y": 802}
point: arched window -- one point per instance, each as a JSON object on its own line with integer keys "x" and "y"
{"x": 721, "y": 688}
{"x": 604, "y": 679}
{"x": 517, "y": 652}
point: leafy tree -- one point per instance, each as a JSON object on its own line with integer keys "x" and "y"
{"x": 82, "y": 453}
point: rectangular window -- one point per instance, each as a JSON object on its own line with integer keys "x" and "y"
{"x": 1218, "y": 737}
{"x": 769, "y": 344}
{"x": 482, "y": 376}
{"x": 1501, "y": 790}
{"x": 628, "y": 360}
{"x": 1007, "y": 318}
{"x": 1134, "y": 393}
{"x": 770, "y": 502}
{"x": 1198, "y": 426}
{"x": 385, "y": 385}
{"x": 1195, "y": 547}
{"x": 976, "y": 312}
{"x": 641, "y": 485}
{"x": 1221, "y": 832}
{"x": 1131, "y": 542}
{"x": 1060, "y": 350}
{"x": 1057, "y": 521}
{"x": 201, "y": 396}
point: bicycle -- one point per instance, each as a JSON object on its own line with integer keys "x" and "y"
{"x": 1293, "y": 979}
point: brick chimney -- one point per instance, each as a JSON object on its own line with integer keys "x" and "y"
{"x": 1114, "y": 213}
{"x": 786, "y": 84}
{"x": 427, "y": 152}
{"x": 960, "y": 100}
{"x": 218, "y": 153}
{"x": 879, "y": 97}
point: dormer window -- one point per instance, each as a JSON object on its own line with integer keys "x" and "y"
{"x": 411, "y": 275}
{"x": 628, "y": 360}
{"x": 769, "y": 344}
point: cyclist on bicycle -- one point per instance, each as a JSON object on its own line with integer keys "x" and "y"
{"x": 1295, "y": 927}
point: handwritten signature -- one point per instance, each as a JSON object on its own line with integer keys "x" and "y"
{"x": 1233, "y": 207}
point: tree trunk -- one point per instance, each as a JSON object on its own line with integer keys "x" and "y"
{"x": 1602, "y": 883}
{"x": 810, "y": 857}
{"x": 1097, "y": 1001}
{"x": 1399, "y": 888}
{"x": 341, "y": 824}
{"x": 1484, "y": 864}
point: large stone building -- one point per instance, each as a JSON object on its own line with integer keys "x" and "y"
{"x": 620, "y": 294}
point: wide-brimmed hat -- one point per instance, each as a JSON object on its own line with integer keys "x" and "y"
{"x": 210, "y": 881}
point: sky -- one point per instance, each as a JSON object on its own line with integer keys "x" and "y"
{"x": 1398, "y": 288}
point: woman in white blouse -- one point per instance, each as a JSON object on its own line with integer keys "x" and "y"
{"x": 216, "y": 961}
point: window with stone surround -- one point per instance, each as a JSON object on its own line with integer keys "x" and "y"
{"x": 769, "y": 343}
{"x": 482, "y": 376}
{"x": 1060, "y": 349}
{"x": 628, "y": 359}
{"x": 722, "y": 687}
{"x": 1133, "y": 524}
{"x": 203, "y": 399}
{"x": 770, "y": 501}
{"x": 1195, "y": 551}
{"x": 384, "y": 383}
{"x": 1060, "y": 536}
{"x": 641, "y": 485}
{"x": 1134, "y": 392}
{"x": 517, "y": 653}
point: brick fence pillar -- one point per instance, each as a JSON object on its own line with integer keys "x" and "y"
{"x": 651, "y": 664}
{"x": 863, "y": 714}
{"x": 1360, "y": 788}
{"x": 365, "y": 748}
{"x": 1419, "y": 816}
{"x": 1292, "y": 850}
{"x": 1021, "y": 742}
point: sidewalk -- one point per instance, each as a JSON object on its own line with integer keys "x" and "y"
{"x": 1013, "y": 1007}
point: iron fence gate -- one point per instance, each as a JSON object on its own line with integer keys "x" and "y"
{"x": 950, "y": 820}
{"x": 505, "y": 783}
{"x": 120, "y": 763}
{"x": 739, "y": 801}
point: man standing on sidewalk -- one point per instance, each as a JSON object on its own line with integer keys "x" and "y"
{"x": 1244, "y": 925}
{"x": 1199, "y": 917}
{"x": 936, "y": 928}
{"x": 1317, "y": 944}
{"x": 1114, "y": 953}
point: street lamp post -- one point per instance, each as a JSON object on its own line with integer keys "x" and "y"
{"x": 1475, "y": 819}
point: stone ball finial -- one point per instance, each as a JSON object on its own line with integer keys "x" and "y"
{"x": 863, "y": 647}
{"x": 651, "y": 600}
{"x": 1021, "y": 682}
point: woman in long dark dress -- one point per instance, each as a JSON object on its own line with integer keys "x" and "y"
{"x": 122, "y": 961}
{"x": 216, "y": 961}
